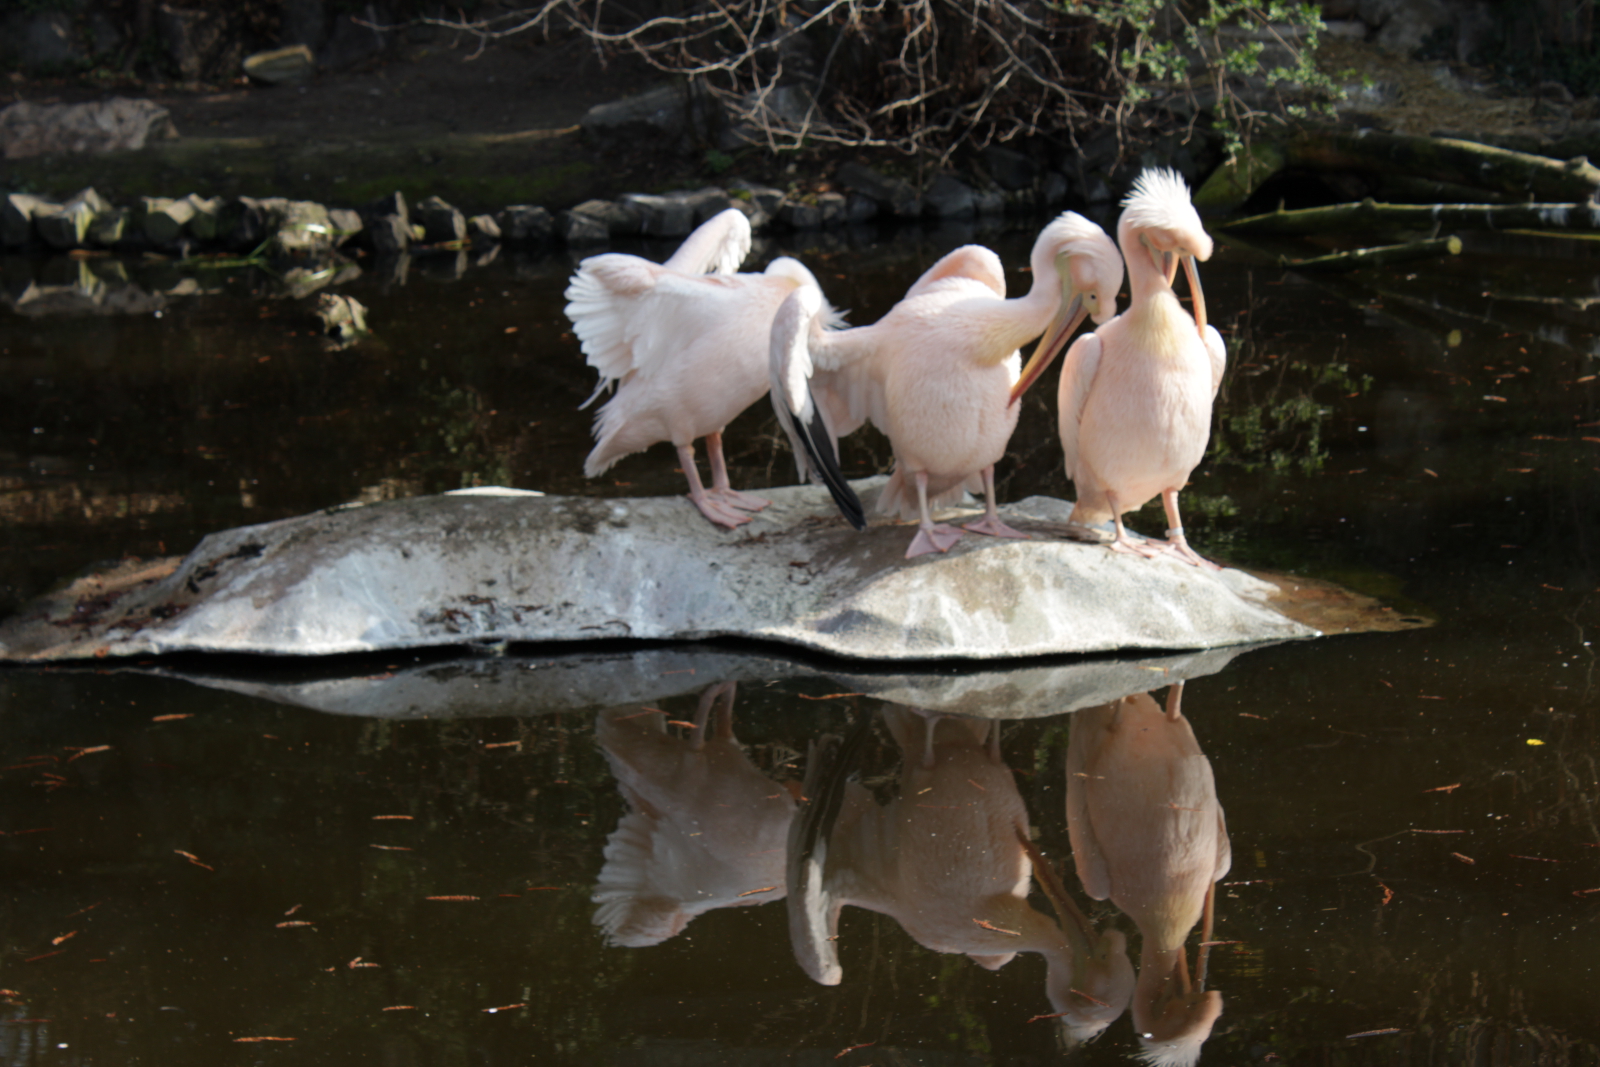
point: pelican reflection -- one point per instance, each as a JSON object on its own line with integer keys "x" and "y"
{"x": 1148, "y": 833}
{"x": 948, "y": 859}
{"x": 705, "y": 828}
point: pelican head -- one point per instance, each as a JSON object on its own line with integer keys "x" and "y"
{"x": 1172, "y": 1016}
{"x": 1089, "y": 270}
{"x": 1159, "y": 227}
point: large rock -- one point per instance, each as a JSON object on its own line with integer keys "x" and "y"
{"x": 28, "y": 129}
{"x": 475, "y": 568}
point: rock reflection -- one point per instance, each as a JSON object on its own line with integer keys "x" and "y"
{"x": 948, "y": 859}
{"x": 705, "y": 829}
{"x": 1149, "y": 834}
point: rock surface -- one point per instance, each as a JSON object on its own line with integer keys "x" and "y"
{"x": 486, "y": 567}
{"x": 28, "y": 129}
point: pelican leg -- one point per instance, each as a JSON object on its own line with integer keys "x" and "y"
{"x": 720, "y": 490}
{"x": 1122, "y": 542}
{"x": 990, "y": 523}
{"x": 1175, "y": 538}
{"x": 931, "y": 537}
{"x": 709, "y": 506}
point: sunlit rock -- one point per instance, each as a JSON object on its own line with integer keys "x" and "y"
{"x": 457, "y": 569}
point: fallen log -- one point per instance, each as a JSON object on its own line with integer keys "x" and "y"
{"x": 1516, "y": 174}
{"x": 1375, "y": 257}
{"x": 1577, "y": 218}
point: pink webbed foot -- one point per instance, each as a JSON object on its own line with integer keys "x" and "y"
{"x": 718, "y": 512}
{"x": 735, "y": 499}
{"x": 993, "y": 527}
{"x": 1179, "y": 546}
{"x": 933, "y": 537}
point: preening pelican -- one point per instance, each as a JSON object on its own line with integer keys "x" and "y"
{"x": 947, "y": 859}
{"x": 934, "y": 374}
{"x": 1135, "y": 397}
{"x": 1148, "y": 832}
{"x": 686, "y": 349}
{"x": 705, "y": 829}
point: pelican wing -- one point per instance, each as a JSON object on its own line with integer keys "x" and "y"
{"x": 1078, "y": 370}
{"x": 802, "y": 417}
{"x": 1087, "y": 857}
{"x": 717, "y": 246}
{"x": 969, "y": 262}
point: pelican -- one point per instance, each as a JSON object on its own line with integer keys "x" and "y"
{"x": 705, "y": 829}
{"x": 685, "y": 349}
{"x": 935, "y": 372}
{"x": 1148, "y": 832}
{"x": 948, "y": 859}
{"x": 1135, "y": 396}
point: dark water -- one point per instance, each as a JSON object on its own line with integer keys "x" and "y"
{"x": 191, "y": 869}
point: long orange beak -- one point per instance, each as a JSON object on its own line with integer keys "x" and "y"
{"x": 1050, "y": 345}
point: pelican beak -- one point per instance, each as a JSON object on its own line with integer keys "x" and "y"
{"x": 1195, "y": 293}
{"x": 1055, "y": 339}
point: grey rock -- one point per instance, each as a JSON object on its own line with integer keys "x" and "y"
{"x": 621, "y": 219}
{"x": 1053, "y": 191}
{"x": 662, "y": 112}
{"x": 206, "y": 221}
{"x": 111, "y": 228}
{"x": 579, "y": 230}
{"x": 441, "y": 222}
{"x": 894, "y": 196}
{"x": 389, "y": 234}
{"x": 658, "y": 216}
{"x": 834, "y": 208}
{"x": 392, "y": 204}
{"x": 990, "y": 203}
{"x": 346, "y": 224}
{"x": 948, "y": 198}
{"x": 459, "y": 569}
{"x": 162, "y": 219}
{"x": 526, "y": 223}
{"x": 298, "y": 228}
{"x": 1010, "y": 170}
{"x": 16, "y": 218}
{"x": 798, "y": 215}
{"x": 28, "y": 129}
{"x": 483, "y": 229}
{"x": 64, "y": 227}
{"x": 859, "y": 208}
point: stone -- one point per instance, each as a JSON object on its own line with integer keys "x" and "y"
{"x": 28, "y": 129}
{"x": 660, "y": 216}
{"x": 343, "y": 319}
{"x": 461, "y": 569}
{"x": 757, "y": 201}
{"x": 1010, "y": 170}
{"x": 281, "y": 65}
{"x": 16, "y": 218}
{"x": 483, "y": 229}
{"x": 860, "y": 208}
{"x": 834, "y": 208}
{"x": 620, "y": 218}
{"x": 1053, "y": 191}
{"x": 990, "y": 203}
{"x": 441, "y": 223}
{"x": 299, "y": 228}
{"x": 948, "y": 198}
{"x": 526, "y": 224}
{"x": 579, "y": 230}
{"x": 894, "y": 196}
{"x": 111, "y": 228}
{"x": 162, "y": 219}
{"x": 656, "y": 114}
{"x": 346, "y": 224}
{"x": 206, "y": 221}
{"x": 64, "y": 227}
{"x": 798, "y": 215}
{"x": 393, "y": 204}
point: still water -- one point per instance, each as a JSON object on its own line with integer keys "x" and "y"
{"x": 577, "y": 855}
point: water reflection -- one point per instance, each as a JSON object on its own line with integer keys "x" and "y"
{"x": 1148, "y": 834}
{"x": 704, "y": 829}
{"x": 947, "y": 852}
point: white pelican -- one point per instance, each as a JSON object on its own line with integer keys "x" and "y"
{"x": 1148, "y": 832}
{"x": 686, "y": 349}
{"x": 934, "y": 374}
{"x": 949, "y": 860}
{"x": 705, "y": 829}
{"x": 1135, "y": 397}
